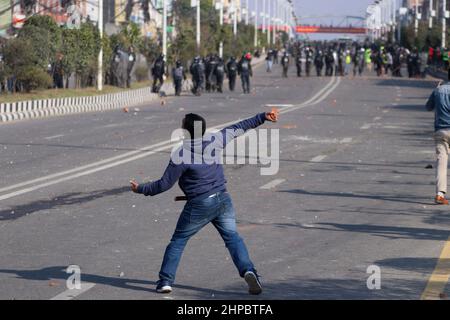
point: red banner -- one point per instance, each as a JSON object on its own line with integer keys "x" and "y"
{"x": 314, "y": 29}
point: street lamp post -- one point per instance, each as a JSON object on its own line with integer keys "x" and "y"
{"x": 256, "y": 23}
{"x": 416, "y": 20}
{"x": 221, "y": 25}
{"x": 430, "y": 19}
{"x": 198, "y": 26}
{"x": 444, "y": 22}
{"x": 268, "y": 24}
{"x": 235, "y": 19}
{"x": 164, "y": 49}
{"x": 100, "y": 54}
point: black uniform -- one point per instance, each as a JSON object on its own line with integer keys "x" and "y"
{"x": 298, "y": 63}
{"x": 178, "y": 75}
{"x": 232, "y": 71}
{"x": 285, "y": 60}
{"x": 219, "y": 74}
{"x": 245, "y": 71}
{"x": 158, "y": 73}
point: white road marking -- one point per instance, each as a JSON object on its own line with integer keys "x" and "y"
{"x": 347, "y": 140}
{"x": 84, "y": 173}
{"x": 279, "y": 105}
{"x": 366, "y": 126}
{"x": 54, "y": 137}
{"x": 376, "y": 118}
{"x": 385, "y": 111}
{"x": 272, "y": 184}
{"x": 142, "y": 152}
{"x": 318, "y": 158}
{"x": 73, "y": 293}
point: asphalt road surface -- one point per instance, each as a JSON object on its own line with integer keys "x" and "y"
{"x": 352, "y": 192}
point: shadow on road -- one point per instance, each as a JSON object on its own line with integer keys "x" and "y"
{"x": 67, "y": 199}
{"x": 391, "y": 198}
{"x": 405, "y": 82}
{"x": 390, "y": 232}
{"x": 59, "y": 273}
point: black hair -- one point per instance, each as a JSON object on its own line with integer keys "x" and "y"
{"x": 189, "y": 123}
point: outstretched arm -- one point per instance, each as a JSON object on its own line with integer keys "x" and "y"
{"x": 229, "y": 133}
{"x": 169, "y": 178}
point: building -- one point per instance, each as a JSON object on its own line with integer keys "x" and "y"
{"x": 228, "y": 8}
{"x": 145, "y": 13}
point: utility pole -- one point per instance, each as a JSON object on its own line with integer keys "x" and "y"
{"x": 268, "y": 24}
{"x": 164, "y": 48}
{"x": 246, "y": 13}
{"x": 256, "y": 24}
{"x": 444, "y": 22}
{"x": 221, "y": 26}
{"x": 416, "y": 20}
{"x": 274, "y": 22}
{"x": 264, "y": 16}
{"x": 235, "y": 19}
{"x": 100, "y": 54}
{"x": 198, "y": 26}
{"x": 430, "y": 20}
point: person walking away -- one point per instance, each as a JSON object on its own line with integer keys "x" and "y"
{"x": 439, "y": 101}
{"x": 348, "y": 62}
{"x": 269, "y": 61}
{"x": 285, "y": 60}
{"x": 178, "y": 75}
{"x": 208, "y": 201}
{"x": 318, "y": 61}
{"x": 368, "y": 59}
{"x": 245, "y": 71}
{"x": 389, "y": 63}
{"x": 219, "y": 74}
{"x": 308, "y": 61}
{"x": 298, "y": 63}
{"x": 158, "y": 70}
{"x": 231, "y": 71}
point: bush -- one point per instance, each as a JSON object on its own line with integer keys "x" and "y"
{"x": 141, "y": 73}
{"x": 33, "y": 78}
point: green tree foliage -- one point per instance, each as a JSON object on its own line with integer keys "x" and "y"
{"x": 45, "y": 38}
{"x": 18, "y": 56}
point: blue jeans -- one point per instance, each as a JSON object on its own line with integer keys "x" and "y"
{"x": 217, "y": 209}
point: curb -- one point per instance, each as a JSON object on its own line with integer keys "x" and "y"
{"x": 62, "y": 106}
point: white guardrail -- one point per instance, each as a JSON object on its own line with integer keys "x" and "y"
{"x": 13, "y": 111}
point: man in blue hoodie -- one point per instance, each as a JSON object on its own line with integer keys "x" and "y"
{"x": 440, "y": 101}
{"x": 200, "y": 176}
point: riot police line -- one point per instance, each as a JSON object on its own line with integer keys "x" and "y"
{"x": 208, "y": 74}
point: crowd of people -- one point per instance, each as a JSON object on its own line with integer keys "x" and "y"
{"x": 208, "y": 73}
{"x": 344, "y": 58}
{"x": 318, "y": 58}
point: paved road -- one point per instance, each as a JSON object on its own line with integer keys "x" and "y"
{"x": 352, "y": 191}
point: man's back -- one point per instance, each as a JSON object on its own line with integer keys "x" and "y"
{"x": 440, "y": 100}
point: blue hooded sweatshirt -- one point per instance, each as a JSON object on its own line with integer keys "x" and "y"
{"x": 202, "y": 175}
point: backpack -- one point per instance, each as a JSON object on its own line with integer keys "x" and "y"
{"x": 244, "y": 65}
{"x": 233, "y": 67}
